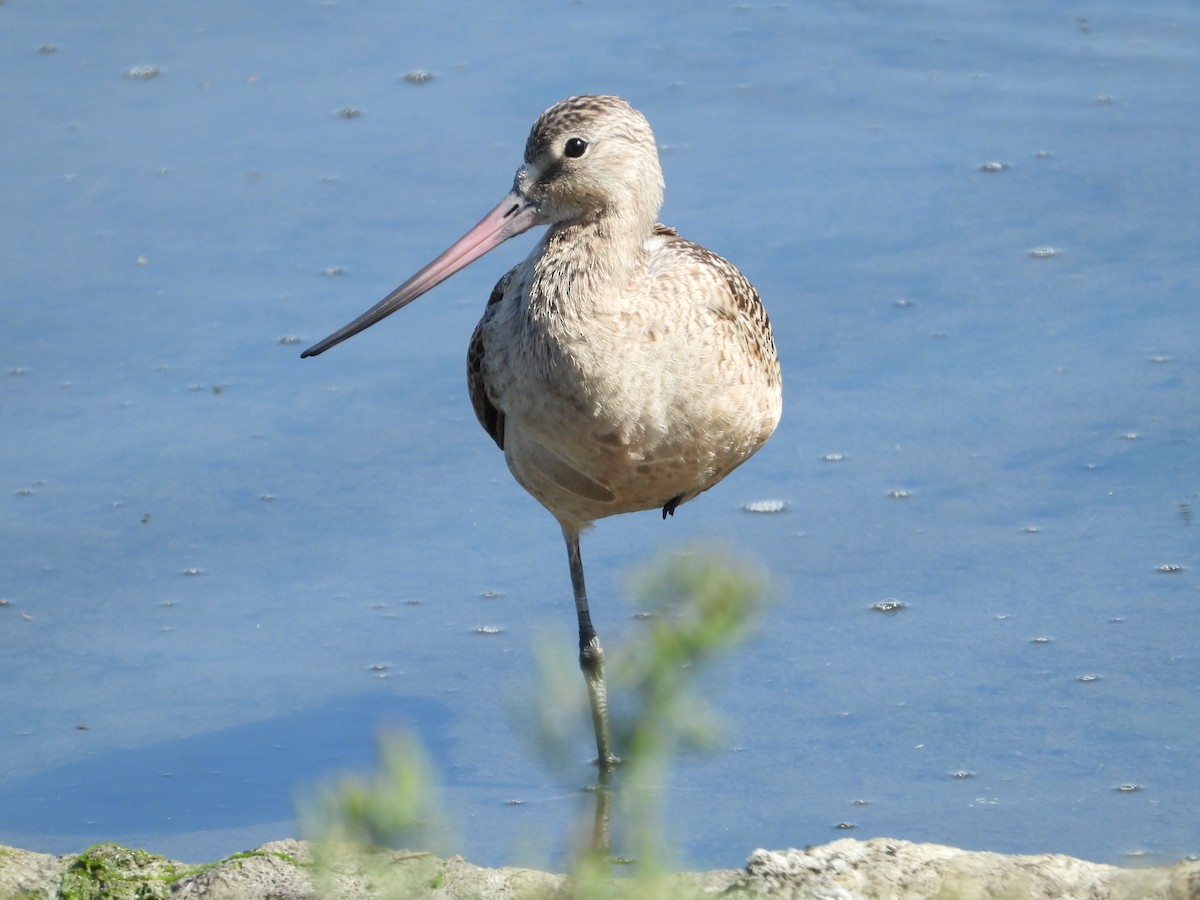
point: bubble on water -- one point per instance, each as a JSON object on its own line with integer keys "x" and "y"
{"x": 418, "y": 76}
{"x": 889, "y": 607}
{"x": 333, "y": 271}
{"x": 349, "y": 112}
{"x": 143, "y": 73}
{"x": 765, "y": 506}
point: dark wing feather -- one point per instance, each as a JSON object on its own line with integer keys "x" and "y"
{"x": 489, "y": 417}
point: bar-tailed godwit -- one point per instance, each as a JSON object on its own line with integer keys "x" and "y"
{"x": 619, "y": 367}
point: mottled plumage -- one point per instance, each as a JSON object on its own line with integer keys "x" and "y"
{"x": 619, "y": 367}
{"x": 608, "y": 402}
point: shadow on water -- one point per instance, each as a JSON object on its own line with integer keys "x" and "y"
{"x": 220, "y": 779}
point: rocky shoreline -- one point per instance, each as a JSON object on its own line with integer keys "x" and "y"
{"x": 842, "y": 870}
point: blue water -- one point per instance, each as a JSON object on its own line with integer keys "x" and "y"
{"x": 992, "y": 414}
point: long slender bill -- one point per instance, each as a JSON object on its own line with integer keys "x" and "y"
{"x": 514, "y": 215}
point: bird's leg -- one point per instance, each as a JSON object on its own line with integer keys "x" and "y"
{"x": 591, "y": 660}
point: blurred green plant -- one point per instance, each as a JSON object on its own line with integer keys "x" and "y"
{"x": 692, "y": 606}
{"x": 396, "y": 806}
{"x": 697, "y": 605}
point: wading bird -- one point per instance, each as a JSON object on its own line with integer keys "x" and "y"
{"x": 619, "y": 367}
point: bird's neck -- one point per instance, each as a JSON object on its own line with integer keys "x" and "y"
{"x": 585, "y": 268}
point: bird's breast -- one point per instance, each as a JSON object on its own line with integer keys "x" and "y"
{"x": 623, "y": 410}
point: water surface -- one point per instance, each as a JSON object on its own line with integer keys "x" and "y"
{"x": 974, "y": 226}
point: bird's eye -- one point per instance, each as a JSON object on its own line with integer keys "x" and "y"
{"x": 575, "y": 147}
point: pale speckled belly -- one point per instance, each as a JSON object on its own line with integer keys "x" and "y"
{"x": 581, "y": 474}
